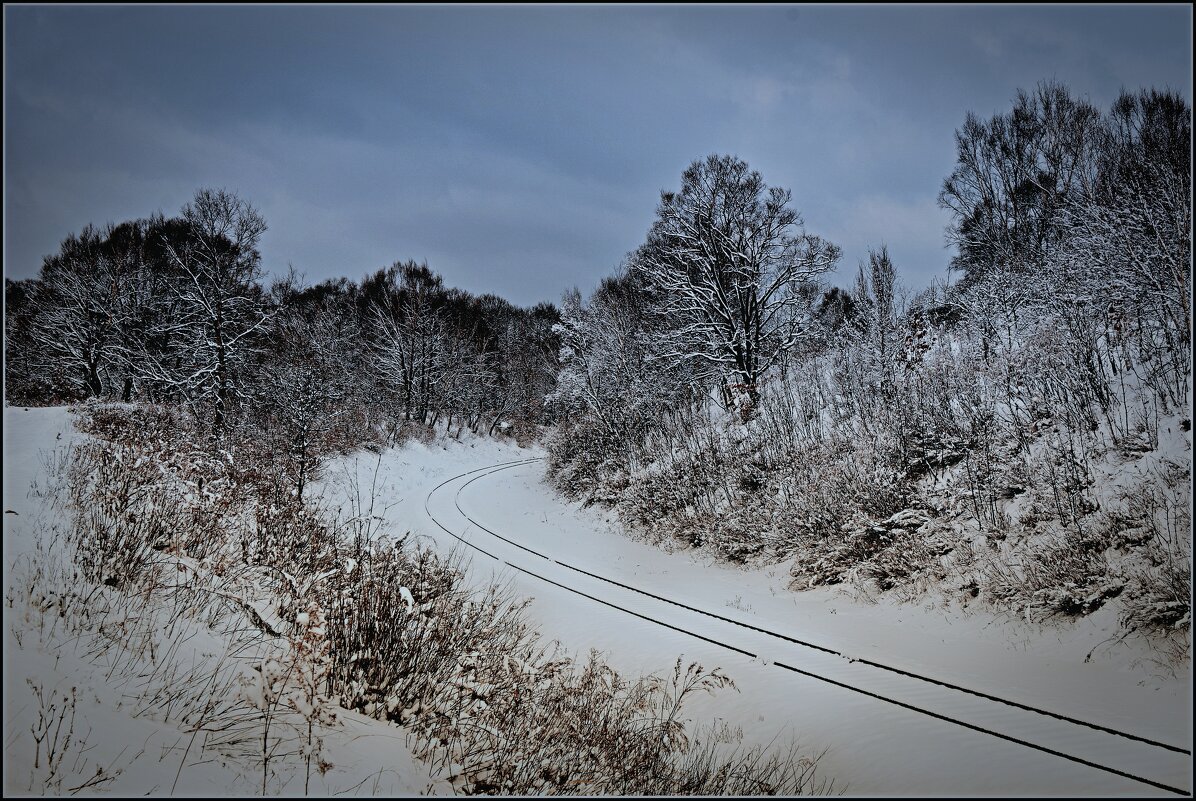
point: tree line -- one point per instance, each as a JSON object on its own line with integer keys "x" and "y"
{"x": 1072, "y": 234}
{"x": 176, "y": 310}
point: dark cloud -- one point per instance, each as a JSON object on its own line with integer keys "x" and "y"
{"x": 520, "y": 150}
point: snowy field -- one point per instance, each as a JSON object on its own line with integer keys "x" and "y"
{"x": 872, "y": 746}
{"x": 118, "y": 737}
{"x": 915, "y": 738}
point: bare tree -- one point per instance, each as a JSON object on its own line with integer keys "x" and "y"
{"x": 215, "y": 303}
{"x": 1013, "y": 176}
{"x": 732, "y": 269}
{"x": 306, "y": 381}
{"x": 84, "y": 309}
{"x": 875, "y": 289}
{"x": 74, "y": 327}
{"x": 1128, "y": 254}
{"x": 524, "y": 360}
{"x": 407, "y": 327}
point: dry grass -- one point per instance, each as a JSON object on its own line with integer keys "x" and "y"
{"x": 326, "y": 616}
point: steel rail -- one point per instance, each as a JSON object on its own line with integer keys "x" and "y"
{"x": 490, "y": 469}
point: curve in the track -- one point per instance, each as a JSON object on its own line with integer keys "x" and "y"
{"x": 804, "y": 643}
{"x": 491, "y": 469}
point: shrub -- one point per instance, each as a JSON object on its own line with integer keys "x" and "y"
{"x": 384, "y": 628}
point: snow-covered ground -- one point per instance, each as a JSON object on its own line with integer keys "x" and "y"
{"x": 873, "y": 746}
{"x": 118, "y": 734}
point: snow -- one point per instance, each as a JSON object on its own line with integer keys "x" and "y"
{"x": 123, "y": 736}
{"x": 873, "y": 746}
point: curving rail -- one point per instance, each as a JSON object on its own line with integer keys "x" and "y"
{"x": 483, "y": 472}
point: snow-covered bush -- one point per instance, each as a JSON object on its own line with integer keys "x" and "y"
{"x": 546, "y": 725}
{"x": 1055, "y": 575}
{"x": 501, "y": 711}
{"x": 1158, "y": 597}
{"x": 341, "y": 616}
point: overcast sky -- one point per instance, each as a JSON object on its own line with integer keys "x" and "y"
{"x": 522, "y": 150}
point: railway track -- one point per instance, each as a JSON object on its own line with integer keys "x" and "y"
{"x": 857, "y": 683}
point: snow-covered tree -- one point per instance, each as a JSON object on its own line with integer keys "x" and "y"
{"x": 76, "y": 314}
{"x": 1013, "y": 176}
{"x": 1127, "y": 257}
{"x": 306, "y": 382}
{"x": 407, "y": 331}
{"x": 876, "y": 299}
{"x": 731, "y": 268}
{"x": 611, "y": 392}
{"x": 525, "y": 360}
{"x": 212, "y": 304}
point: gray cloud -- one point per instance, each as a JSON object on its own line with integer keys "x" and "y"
{"x": 521, "y": 150}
